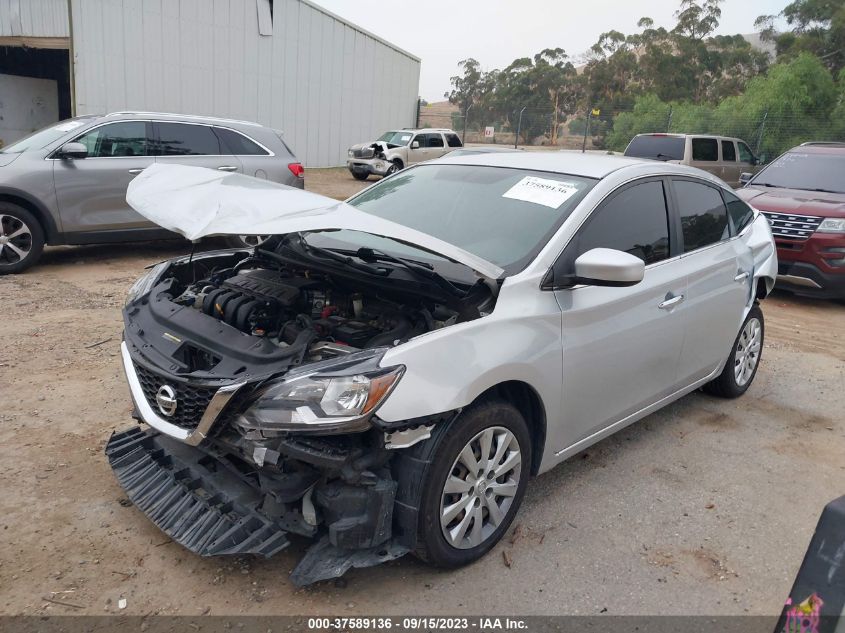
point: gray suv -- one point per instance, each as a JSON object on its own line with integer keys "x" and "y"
{"x": 66, "y": 184}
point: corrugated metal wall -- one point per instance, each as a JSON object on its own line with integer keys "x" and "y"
{"x": 327, "y": 84}
{"x": 33, "y": 18}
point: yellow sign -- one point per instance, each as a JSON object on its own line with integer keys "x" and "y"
{"x": 595, "y": 112}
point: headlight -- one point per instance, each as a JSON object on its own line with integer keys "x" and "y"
{"x": 322, "y": 404}
{"x": 832, "y": 225}
{"x": 380, "y": 166}
{"x": 350, "y": 153}
{"x": 145, "y": 283}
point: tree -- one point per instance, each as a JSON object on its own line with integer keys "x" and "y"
{"x": 555, "y": 75}
{"x": 465, "y": 87}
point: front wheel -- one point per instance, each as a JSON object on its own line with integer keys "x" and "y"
{"x": 360, "y": 175}
{"x": 475, "y": 484}
{"x": 741, "y": 366}
{"x": 21, "y": 239}
{"x": 394, "y": 167}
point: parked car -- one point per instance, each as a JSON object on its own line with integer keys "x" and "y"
{"x": 397, "y": 149}
{"x": 384, "y": 376}
{"x": 802, "y": 193}
{"x": 721, "y": 156}
{"x": 66, "y": 183}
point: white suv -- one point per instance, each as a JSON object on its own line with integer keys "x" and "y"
{"x": 397, "y": 149}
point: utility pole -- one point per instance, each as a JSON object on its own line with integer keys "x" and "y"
{"x": 466, "y": 116}
{"x": 586, "y": 131}
{"x": 518, "y": 127}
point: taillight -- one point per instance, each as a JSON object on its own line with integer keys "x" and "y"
{"x": 297, "y": 170}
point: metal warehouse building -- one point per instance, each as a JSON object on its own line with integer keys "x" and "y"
{"x": 288, "y": 64}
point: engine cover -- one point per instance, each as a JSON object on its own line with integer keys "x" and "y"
{"x": 268, "y": 285}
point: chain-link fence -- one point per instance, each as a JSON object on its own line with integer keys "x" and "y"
{"x": 767, "y": 130}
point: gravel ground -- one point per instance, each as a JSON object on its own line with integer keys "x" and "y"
{"x": 706, "y": 507}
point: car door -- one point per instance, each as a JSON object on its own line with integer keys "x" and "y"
{"x": 621, "y": 345}
{"x": 418, "y": 154}
{"x": 193, "y": 144}
{"x": 730, "y": 165}
{"x": 719, "y": 274}
{"x": 436, "y": 145}
{"x": 91, "y": 192}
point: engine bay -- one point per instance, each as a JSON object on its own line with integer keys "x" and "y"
{"x": 315, "y": 315}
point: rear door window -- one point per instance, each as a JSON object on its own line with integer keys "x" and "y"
{"x": 657, "y": 147}
{"x": 434, "y": 139}
{"x": 704, "y": 218}
{"x": 182, "y": 139}
{"x": 705, "y": 149}
{"x": 634, "y": 220}
{"x": 453, "y": 140}
{"x": 728, "y": 151}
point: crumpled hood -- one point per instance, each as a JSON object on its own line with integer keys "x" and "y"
{"x": 795, "y": 201}
{"x": 196, "y": 202}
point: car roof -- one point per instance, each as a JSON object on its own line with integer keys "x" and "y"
{"x": 575, "y": 163}
{"x": 679, "y": 135}
{"x": 819, "y": 147}
{"x": 170, "y": 116}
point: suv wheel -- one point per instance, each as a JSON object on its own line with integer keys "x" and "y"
{"x": 21, "y": 239}
{"x": 474, "y": 485}
{"x": 394, "y": 167}
{"x": 742, "y": 364}
{"x": 360, "y": 175}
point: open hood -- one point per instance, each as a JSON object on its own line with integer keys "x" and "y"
{"x": 196, "y": 202}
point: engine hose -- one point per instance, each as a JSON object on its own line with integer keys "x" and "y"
{"x": 403, "y": 327}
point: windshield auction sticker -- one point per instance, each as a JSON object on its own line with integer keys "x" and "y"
{"x": 549, "y": 193}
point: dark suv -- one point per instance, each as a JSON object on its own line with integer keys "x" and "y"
{"x": 802, "y": 193}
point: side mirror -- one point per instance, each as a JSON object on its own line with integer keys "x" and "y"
{"x": 415, "y": 145}
{"x": 744, "y": 177}
{"x": 73, "y": 151}
{"x": 608, "y": 267}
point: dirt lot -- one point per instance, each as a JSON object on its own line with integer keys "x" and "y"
{"x": 706, "y": 507}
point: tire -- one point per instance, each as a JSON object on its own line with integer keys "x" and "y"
{"x": 360, "y": 175}
{"x": 21, "y": 239}
{"x": 502, "y": 423}
{"x": 741, "y": 366}
{"x": 394, "y": 167}
{"x": 246, "y": 241}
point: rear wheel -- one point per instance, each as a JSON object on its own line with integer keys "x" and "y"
{"x": 21, "y": 239}
{"x": 741, "y": 367}
{"x": 475, "y": 484}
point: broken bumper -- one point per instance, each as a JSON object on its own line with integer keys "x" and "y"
{"x": 212, "y": 509}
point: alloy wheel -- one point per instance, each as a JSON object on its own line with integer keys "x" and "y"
{"x": 15, "y": 240}
{"x": 479, "y": 490}
{"x": 747, "y": 352}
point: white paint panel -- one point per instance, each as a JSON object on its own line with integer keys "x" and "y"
{"x": 327, "y": 84}
{"x": 28, "y": 104}
{"x": 34, "y": 18}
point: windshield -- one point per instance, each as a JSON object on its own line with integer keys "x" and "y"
{"x": 395, "y": 138}
{"x": 45, "y": 136}
{"x": 656, "y": 147}
{"x": 501, "y": 214}
{"x": 812, "y": 172}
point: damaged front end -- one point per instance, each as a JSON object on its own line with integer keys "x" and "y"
{"x": 260, "y": 378}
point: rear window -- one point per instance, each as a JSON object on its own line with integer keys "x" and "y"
{"x": 237, "y": 143}
{"x": 656, "y": 147}
{"x": 453, "y": 140}
{"x": 798, "y": 170}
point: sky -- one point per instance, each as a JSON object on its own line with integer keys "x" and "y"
{"x": 495, "y": 32}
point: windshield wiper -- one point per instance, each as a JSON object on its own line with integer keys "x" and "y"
{"x": 423, "y": 270}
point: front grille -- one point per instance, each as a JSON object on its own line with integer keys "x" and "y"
{"x": 791, "y": 225}
{"x": 366, "y": 152}
{"x": 191, "y": 401}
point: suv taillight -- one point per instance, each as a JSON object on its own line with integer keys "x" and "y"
{"x": 297, "y": 170}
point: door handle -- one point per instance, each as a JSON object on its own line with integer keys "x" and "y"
{"x": 228, "y": 168}
{"x": 136, "y": 170}
{"x": 670, "y": 303}
{"x": 742, "y": 276}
